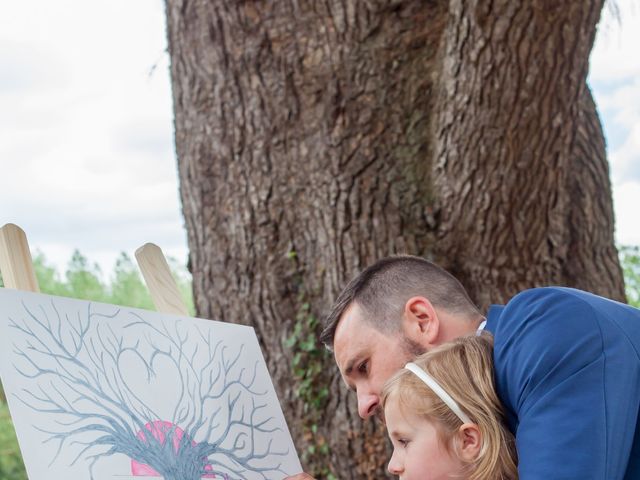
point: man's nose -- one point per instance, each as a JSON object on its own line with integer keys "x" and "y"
{"x": 367, "y": 404}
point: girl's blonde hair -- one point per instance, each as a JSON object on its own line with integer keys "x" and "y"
{"x": 464, "y": 369}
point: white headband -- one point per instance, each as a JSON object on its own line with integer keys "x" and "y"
{"x": 439, "y": 391}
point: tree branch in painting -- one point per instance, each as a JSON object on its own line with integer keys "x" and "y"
{"x": 100, "y": 388}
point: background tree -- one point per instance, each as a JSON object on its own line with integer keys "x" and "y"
{"x": 630, "y": 259}
{"x": 315, "y": 137}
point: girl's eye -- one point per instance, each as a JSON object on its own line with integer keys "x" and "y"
{"x": 403, "y": 441}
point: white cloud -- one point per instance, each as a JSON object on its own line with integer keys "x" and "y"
{"x": 626, "y": 200}
{"x": 25, "y": 67}
{"x": 616, "y": 47}
{"x": 615, "y": 79}
{"x": 620, "y": 108}
{"x": 87, "y": 128}
{"x": 625, "y": 160}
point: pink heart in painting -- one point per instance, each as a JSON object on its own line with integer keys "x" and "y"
{"x": 159, "y": 430}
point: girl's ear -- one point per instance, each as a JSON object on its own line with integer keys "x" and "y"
{"x": 469, "y": 442}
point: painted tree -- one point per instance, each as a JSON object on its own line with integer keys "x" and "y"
{"x": 93, "y": 389}
{"x": 315, "y": 137}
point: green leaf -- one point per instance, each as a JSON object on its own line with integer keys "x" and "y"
{"x": 630, "y": 261}
{"x": 290, "y": 342}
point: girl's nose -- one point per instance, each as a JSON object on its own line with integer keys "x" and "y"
{"x": 395, "y": 467}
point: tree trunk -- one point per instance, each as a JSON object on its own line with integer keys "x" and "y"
{"x": 316, "y": 137}
{"x": 521, "y": 172}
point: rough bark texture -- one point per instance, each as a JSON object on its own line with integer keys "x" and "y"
{"x": 592, "y": 256}
{"x": 520, "y": 168}
{"x": 315, "y": 137}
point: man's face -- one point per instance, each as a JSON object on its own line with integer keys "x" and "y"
{"x": 367, "y": 358}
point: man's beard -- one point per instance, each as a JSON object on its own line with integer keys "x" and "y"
{"x": 412, "y": 349}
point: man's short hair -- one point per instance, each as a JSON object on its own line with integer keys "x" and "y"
{"x": 382, "y": 290}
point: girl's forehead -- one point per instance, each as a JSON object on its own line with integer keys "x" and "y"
{"x": 399, "y": 409}
{"x": 409, "y": 397}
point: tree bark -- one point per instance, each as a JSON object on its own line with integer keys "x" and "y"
{"x": 316, "y": 137}
{"x": 520, "y": 151}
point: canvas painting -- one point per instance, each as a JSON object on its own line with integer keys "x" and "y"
{"x": 100, "y": 392}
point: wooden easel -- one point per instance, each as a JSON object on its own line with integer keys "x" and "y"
{"x": 16, "y": 266}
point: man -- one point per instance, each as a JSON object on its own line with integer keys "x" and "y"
{"x": 567, "y": 363}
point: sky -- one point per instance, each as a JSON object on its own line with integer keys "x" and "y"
{"x": 86, "y": 133}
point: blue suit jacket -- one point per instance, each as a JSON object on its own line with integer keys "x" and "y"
{"x": 567, "y": 368}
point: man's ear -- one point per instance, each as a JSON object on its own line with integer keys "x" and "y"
{"x": 469, "y": 440}
{"x": 420, "y": 322}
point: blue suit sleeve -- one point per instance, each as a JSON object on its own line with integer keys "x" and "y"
{"x": 550, "y": 364}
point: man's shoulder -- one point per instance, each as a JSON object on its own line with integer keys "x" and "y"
{"x": 549, "y": 293}
{"x": 539, "y": 330}
{"x": 564, "y": 301}
{"x": 548, "y": 312}
{"x": 542, "y": 298}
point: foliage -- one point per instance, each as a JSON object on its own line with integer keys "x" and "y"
{"x": 83, "y": 280}
{"x": 11, "y": 467}
{"x": 48, "y": 277}
{"x": 630, "y": 261}
{"x": 305, "y": 365}
{"x": 127, "y": 287}
{"x": 308, "y": 370}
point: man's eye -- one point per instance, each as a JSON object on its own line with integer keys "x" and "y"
{"x": 362, "y": 368}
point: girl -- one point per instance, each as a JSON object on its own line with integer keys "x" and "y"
{"x": 444, "y": 417}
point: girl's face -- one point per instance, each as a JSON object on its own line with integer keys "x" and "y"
{"x": 418, "y": 454}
